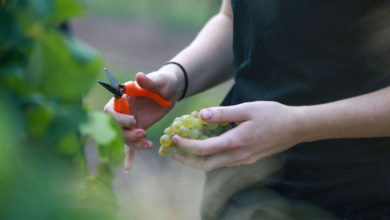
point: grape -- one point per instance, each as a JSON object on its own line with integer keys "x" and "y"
{"x": 206, "y": 131}
{"x": 165, "y": 140}
{"x": 204, "y": 137}
{"x": 184, "y": 131}
{"x": 168, "y": 130}
{"x": 223, "y": 124}
{"x": 198, "y": 124}
{"x": 188, "y": 121}
{"x": 195, "y": 114}
{"x": 219, "y": 130}
{"x": 164, "y": 151}
{"x": 194, "y": 133}
{"x": 211, "y": 126}
{"x": 177, "y": 125}
{"x": 190, "y": 126}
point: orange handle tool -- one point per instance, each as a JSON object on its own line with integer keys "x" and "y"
{"x": 122, "y": 106}
{"x": 133, "y": 90}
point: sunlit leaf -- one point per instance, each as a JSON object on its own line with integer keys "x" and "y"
{"x": 64, "y": 9}
{"x": 99, "y": 128}
{"x": 106, "y": 133}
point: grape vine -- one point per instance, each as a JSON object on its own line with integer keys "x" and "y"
{"x": 44, "y": 73}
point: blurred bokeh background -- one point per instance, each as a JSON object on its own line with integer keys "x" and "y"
{"x": 140, "y": 35}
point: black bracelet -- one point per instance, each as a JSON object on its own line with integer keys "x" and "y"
{"x": 185, "y": 78}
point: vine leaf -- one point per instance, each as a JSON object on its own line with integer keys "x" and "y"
{"x": 106, "y": 133}
{"x": 99, "y": 128}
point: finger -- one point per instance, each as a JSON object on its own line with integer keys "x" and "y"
{"x": 245, "y": 161}
{"x": 135, "y": 138}
{"x": 129, "y": 157}
{"x": 234, "y": 113}
{"x": 211, "y": 162}
{"x": 225, "y": 142}
{"x": 133, "y": 135}
{"x": 126, "y": 121}
{"x": 145, "y": 82}
{"x": 142, "y": 145}
{"x": 110, "y": 104}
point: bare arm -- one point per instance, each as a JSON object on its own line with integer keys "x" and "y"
{"x": 275, "y": 127}
{"x": 362, "y": 116}
{"x": 208, "y": 59}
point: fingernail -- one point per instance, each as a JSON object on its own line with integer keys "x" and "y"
{"x": 206, "y": 114}
{"x": 145, "y": 145}
{"x": 133, "y": 122}
{"x": 150, "y": 145}
{"x": 139, "y": 134}
{"x": 174, "y": 139}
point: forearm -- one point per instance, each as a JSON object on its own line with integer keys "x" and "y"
{"x": 362, "y": 116}
{"x": 208, "y": 59}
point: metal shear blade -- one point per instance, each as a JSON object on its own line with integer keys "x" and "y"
{"x": 115, "y": 88}
{"x": 110, "y": 77}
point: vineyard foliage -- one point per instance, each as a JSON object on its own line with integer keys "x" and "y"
{"x": 44, "y": 73}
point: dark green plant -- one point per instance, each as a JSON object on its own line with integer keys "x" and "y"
{"x": 44, "y": 74}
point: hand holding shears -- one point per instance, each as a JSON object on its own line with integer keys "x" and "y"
{"x": 134, "y": 102}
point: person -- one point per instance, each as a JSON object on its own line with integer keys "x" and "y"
{"x": 312, "y": 102}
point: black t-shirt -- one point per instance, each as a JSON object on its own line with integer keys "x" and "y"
{"x": 306, "y": 52}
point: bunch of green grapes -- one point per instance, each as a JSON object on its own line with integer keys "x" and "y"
{"x": 192, "y": 127}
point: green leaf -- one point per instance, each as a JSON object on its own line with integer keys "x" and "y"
{"x": 99, "y": 128}
{"x": 9, "y": 132}
{"x": 41, "y": 8}
{"x": 39, "y": 119}
{"x": 69, "y": 144}
{"x": 64, "y": 9}
{"x": 107, "y": 134}
{"x": 115, "y": 148}
{"x": 56, "y": 72}
{"x": 12, "y": 78}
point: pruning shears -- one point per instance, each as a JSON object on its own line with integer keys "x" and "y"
{"x": 131, "y": 89}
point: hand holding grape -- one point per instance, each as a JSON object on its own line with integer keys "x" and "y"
{"x": 190, "y": 126}
{"x": 265, "y": 128}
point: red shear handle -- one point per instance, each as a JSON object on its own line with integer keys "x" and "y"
{"x": 122, "y": 106}
{"x": 133, "y": 90}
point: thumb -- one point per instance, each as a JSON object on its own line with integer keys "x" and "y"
{"x": 234, "y": 113}
{"x": 145, "y": 82}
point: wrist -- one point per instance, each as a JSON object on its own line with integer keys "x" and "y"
{"x": 175, "y": 78}
{"x": 305, "y": 124}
